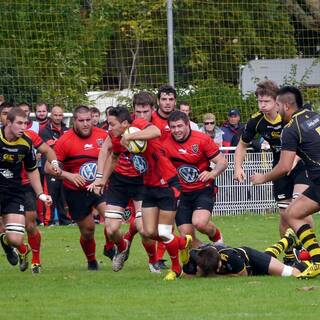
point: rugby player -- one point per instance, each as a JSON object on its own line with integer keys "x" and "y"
{"x": 126, "y": 180}
{"x": 299, "y": 137}
{"x": 212, "y": 260}
{"x": 268, "y": 123}
{"x": 16, "y": 151}
{"x": 78, "y": 151}
{"x": 192, "y": 152}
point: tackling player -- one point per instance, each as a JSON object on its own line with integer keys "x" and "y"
{"x": 269, "y": 124}
{"x": 299, "y": 137}
{"x": 78, "y": 151}
{"x": 192, "y": 153}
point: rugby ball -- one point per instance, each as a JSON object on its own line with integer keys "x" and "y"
{"x": 136, "y": 146}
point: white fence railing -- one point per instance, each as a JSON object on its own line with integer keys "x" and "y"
{"x": 237, "y": 198}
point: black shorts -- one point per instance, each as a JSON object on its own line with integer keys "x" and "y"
{"x": 122, "y": 189}
{"x": 258, "y": 262}
{"x": 162, "y": 198}
{"x": 283, "y": 187}
{"x": 313, "y": 192}
{"x": 31, "y": 200}
{"x": 196, "y": 200}
{"x": 80, "y": 203}
{"x": 12, "y": 201}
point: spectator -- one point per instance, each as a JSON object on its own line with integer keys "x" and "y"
{"x": 210, "y": 128}
{"x": 2, "y": 100}
{"x": 105, "y": 125}
{"x": 41, "y": 111}
{"x": 50, "y": 134}
{"x": 95, "y": 114}
{"x": 186, "y": 108}
{"x": 232, "y": 129}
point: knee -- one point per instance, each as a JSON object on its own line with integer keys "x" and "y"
{"x": 200, "y": 225}
{"x": 14, "y": 240}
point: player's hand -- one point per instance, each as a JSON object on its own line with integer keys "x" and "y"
{"x": 257, "y": 178}
{"x": 97, "y": 186}
{"x": 204, "y": 176}
{"x": 125, "y": 139}
{"x": 46, "y": 199}
{"x": 76, "y": 179}
{"x": 55, "y": 169}
{"x": 239, "y": 175}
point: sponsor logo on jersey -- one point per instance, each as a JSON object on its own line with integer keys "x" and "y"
{"x": 88, "y": 171}
{"x": 188, "y": 174}
{"x": 281, "y": 196}
{"x": 88, "y": 146}
{"x": 8, "y": 157}
{"x": 182, "y": 151}
{"x": 6, "y": 173}
{"x": 100, "y": 142}
{"x": 275, "y": 134}
{"x": 139, "y": 163}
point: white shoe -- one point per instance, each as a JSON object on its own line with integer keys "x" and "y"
{"x": 119, "y": 259}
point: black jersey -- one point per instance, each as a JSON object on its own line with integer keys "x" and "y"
{"x": 267, "y": 129}
{"x": 12, "y": 155}
{"x": 302, "y": 135}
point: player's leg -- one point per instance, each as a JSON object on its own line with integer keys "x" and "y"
{"x": 297, "y": 217}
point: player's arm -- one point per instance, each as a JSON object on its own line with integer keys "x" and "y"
{"x": 150, "y": 132}
{"x": 53, "y": 168}
{"x": 239, "y": 157}
{"x": 220, "y": 165}
{"x": 35, "y": 182}
{"x": 281, "y": 169}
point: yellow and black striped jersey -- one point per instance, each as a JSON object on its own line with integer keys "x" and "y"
{"x": 12, "y": 155}
{"x": 267, "y": 129}
{"x": 302, "y": 135}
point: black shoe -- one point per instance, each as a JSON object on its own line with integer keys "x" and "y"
{"x": 93, "y": 265}
{"x": 35, "y": 268}
{"x": 109, "y": 253}
{"x": 10, "y": 252}
{"x": 23, "y": 260}
{"x": 162, "y": 264}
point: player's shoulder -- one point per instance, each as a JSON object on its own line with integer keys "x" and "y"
{"x": 257, "y": 115}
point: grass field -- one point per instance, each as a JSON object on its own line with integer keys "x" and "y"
{"x": 66, "y": 290}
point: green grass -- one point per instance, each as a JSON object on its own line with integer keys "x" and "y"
{"x": 66, "y": 290}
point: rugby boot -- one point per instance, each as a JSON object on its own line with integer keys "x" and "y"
{"x": 93, "y": 265}
{"x": 110, "y": 253}
{"x": 312, "y": 271}
{"x": 184, "y": 253}
{"x": 171, "y": 275}
{"x": 11, "y": 253}
{"x": 154, "y": 267}
{"x": 35, "y": 268}
{"x": 119, "y": 259}
{"x": 23, "y": 260}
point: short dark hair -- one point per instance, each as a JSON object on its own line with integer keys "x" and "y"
{"x": 25, "y": 104}
{"x": 267, "y": 88}
{"x": 41, "y": 104}
{"x": 168, "y": 89}
{"x": 183, "y": 103}
{"x": 94, "y": 110}
{"x": 208, "y": 261}
{"x": 15, "y": 112}
{"x": 178, "y": 115}
{"x": 80, "y": 109}
{"x": 121, "y": 113}
{"x": 6, "y": 105}
{"x": 144, "y": 98}
{"x": 291, "y": 95}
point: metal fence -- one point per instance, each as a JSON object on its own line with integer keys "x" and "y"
{"x": 237, "y": 198}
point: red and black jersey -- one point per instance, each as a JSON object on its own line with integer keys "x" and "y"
{"x": 161, "y": 123}
{"x": 79, "y": 155}
{"x": 36, "y": 143}
{"x": 129, "y": 165}
{"x": 191, "y": 157}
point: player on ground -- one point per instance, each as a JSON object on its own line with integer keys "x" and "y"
{"x": 192, "y": 152}
{"x": 299, "y": 137}
{"x": 211, "y": 260}
{"x": 269, "y": 124}
{"x": 16, "y": 150}
{"x": 78, "y": 151}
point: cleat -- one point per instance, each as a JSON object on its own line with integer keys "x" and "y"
{"x": 184, "y": 253}
{"x": 296, "y": 243}
{"x": 93, "y": 265}
{"x": 110, "y": 253}
{"x": 119, "y": 259}
{"x": 35, "y": 268}
{"x": 171, "y": 275}
{"x": 312, "y": 271}
{"x": 11, "y": 253}
{"x": 23, "y": 260}
{"x": 154, "y": 267}
{"x": 162, "y": 264}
